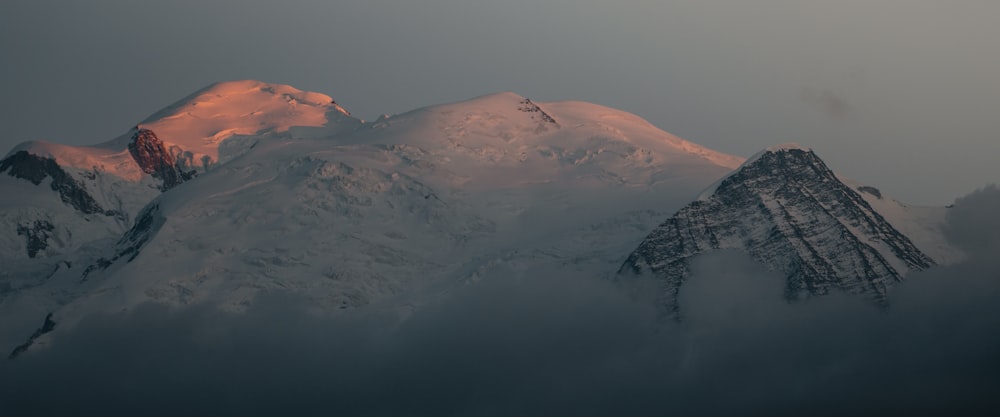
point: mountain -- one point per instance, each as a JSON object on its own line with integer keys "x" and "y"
{"x": 96, "y": 191}
{"x": 786, "y": 209}
{"x": 247, "y": 187}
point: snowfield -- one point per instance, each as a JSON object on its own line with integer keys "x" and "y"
{"x": 290, "y": 193}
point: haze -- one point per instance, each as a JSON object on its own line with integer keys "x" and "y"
{"x": 899, "y": 94}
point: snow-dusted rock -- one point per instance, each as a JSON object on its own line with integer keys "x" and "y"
{"x": 788, "y": 210}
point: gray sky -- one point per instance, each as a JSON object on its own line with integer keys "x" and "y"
{"x": 900, "y": 94}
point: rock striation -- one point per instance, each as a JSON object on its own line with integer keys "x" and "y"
{"x": 789, "y": 211}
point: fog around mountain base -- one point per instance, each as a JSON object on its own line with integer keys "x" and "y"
{"x": 547, "y": 343}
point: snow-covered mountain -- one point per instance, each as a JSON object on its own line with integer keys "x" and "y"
{"x": 98, "y": 190}
{"x": 246, "y": 187}
{"x": 788, "y": 210}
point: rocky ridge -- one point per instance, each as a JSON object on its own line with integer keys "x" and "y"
{"x": 789, "y": 211}
{"x": 154, "y": 159}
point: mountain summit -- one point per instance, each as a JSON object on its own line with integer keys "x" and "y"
{"x": 785, "y": 208}
{"x": 247, "y": 187}
{"x": 206, "y": 124}
{"x": 109, "y": 183}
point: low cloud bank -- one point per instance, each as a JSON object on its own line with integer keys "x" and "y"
{"x": 974, "y": 222}
{"x": 546, "y": 344}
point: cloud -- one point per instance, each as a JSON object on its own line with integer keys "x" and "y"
{"x": 547, "y": 343}
{"x": 826, "y": 101}
{"x": 973, "y": 221}
{"x": 504, "y": 348}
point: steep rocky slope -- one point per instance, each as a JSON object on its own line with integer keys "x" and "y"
{"x": 382, "y": 215}
{"x": 788, "y": 210}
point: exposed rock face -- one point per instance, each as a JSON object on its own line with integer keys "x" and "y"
{"x": 35, "y": 168}
{"x": 145, "y": 227}
{"x": 154, "y": 158}
{"x": 871, "y": 190}
{"x": 148, "y": 223}
{"x": 36, "y": 236}
{"x": 47, "y": 326}
{"x": 528, "y": 106}
{"x": 787, "y": 210}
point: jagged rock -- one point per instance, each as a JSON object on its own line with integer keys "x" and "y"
{"x": 146, "y": 225}
{"x": 36, "y": 236}
{"x": 47, "y": 326}
{"x": 870, "y": 190}
{"x": 528, "y": 106}
{"x": 35, "y": 169}
{"x": 790, "y": 212}
{"x": 154, "y": 158}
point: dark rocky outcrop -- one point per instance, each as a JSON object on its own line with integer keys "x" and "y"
{"x": 154, "y": 159}
{"x": 871, "y": 190}
{"x": 36, "y": 236}
{"x": 47, "y": 326}
{"x": 146, "y": 225}
{"x": 528, "y": 106}
{"x": 35, "y": 169}
{"x": 790, "y": 212}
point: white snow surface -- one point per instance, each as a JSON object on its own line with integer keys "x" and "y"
{"x": 385, "y": 214}
{"x": 295, "y": 195}
{"x": 924, "y": 225}
{"x": 214, "y": 124}
{"x": 416, "y": 200}
{"x": 199, "y": 124}
{"x": 198, "y": 129}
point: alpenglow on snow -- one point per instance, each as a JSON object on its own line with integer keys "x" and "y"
{"x": 246, "y": 187}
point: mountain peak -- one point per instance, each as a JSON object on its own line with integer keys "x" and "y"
{"x": 785, "y": 148}
{"x": 773, "y": 157}
{"x": 224, "y": 93}
{"x": 502, "y": 103}
{"x": 789, "y": 211}
{"x": 197, "y": 129}
{"x": 200, "y": 122}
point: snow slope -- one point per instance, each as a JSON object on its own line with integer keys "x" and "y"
{"x": 246, "y": 187}
{"x": 385, "y": 214}
{"x": 923, "y": 225}
{"x": 211, "y": 124}
{"x": 785, "y": 208}
{"x": 112, "y": 181}
{"x": 206, "y": 126}
{"x": 62, "y": 206}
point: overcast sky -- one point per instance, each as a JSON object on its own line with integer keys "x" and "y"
{"x": 900, "y": 94}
